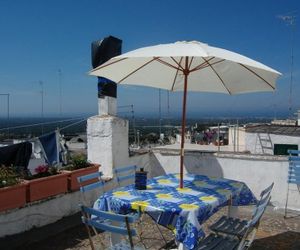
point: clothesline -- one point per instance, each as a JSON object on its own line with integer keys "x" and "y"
{"x": 42, "y": 123}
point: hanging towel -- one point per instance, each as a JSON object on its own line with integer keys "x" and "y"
{"x": 17, "y": 155}
{"x": 50, "y": 147}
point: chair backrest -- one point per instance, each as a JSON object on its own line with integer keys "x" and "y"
{"x": 123, "y": 174}
{"x": 90, "y": 181}
{"x": 267, "y": 190}
{"x": 264, "y": 196}
{"x": 104, "y": 221}
{"x": 253, "y": 223}
{"x": 259, "y": 211}
{"x": 294, "y": 167}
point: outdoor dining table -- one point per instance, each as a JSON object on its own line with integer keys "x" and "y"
{"x": 182, "y": 209}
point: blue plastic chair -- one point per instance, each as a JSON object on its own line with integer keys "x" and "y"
{"x": 237, "y": 227}
{"x": 90, "y": 182}
{"x": 293, "y": 173}
{"x": 124, "y": 174}
{"x": 104, "y": 221}
{"x": 237, "y": 236}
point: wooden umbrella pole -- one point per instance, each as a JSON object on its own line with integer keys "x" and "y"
{"x": 185, "y": 72}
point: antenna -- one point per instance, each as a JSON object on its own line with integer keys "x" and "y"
{"x": 133, "y": 123}
{"x": 290, "y": 20}
{"x": 60, "y": 92}
{"x": 168, "y": 110}
{"x": 159, "y": 110}
{"x": 42, "y": 100}
{"x": 168, "y": 105}
{"x": 8, "y": 123}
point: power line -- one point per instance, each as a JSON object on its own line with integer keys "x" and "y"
{"x": 42, "y": 104}
{"x": 8, "y": 123}
{"x": 42, "y": 123}
{"x": 290, "y": 19}
{"x": 60, "y": 91}
{"x": 73, "y": 124}
{"x": 159, "y": 110}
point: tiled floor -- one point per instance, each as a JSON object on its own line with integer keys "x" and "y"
{"x": 274, "y": 233}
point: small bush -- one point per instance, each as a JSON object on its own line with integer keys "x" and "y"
{"x": 77, "y": 162}
{"x": 8, "y": 176}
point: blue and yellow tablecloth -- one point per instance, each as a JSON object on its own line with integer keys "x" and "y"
{"x": 184, "y": 209}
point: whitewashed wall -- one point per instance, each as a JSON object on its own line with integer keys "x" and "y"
{"x": 107, "y": 138}
{"x": 256, "y": 171}
{"x": 43, "y": 212}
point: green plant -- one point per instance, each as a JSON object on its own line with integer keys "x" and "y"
{"x": 8, "y": 176}
{"x": 78, "y": 161}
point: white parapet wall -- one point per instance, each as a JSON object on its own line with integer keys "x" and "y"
{"x": 44, "y": 212}
{"x": 41, "y": 213}
{"x": 256, "y": 171}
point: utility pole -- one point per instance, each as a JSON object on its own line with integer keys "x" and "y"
{"x": 237, "y": 137}
{"x": 42, "y": 106}
{"x": 218, "y": 137}
{"x": 8, "y": 123}
{"x": 159, "y": 110}
{"x": 290, "y": 20}
{"x": 60, "y": 92}
{"x": 133, "y": 123}
{"x": 168, "y": 108}
{"x": 138, "y": 138}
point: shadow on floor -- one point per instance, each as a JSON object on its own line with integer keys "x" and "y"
{"x": 66, "y": 240}
{"x": 284, "y": 241}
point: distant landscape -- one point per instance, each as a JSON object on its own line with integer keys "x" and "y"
{"x": 20, "y": 127}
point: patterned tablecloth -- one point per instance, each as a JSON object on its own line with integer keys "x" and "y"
{"x": 183, "y": 210}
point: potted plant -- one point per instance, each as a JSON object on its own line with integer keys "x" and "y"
{"x": 78, "y": 166}
{"x": 12, "y": 189}
{"x": 45, "y": 183}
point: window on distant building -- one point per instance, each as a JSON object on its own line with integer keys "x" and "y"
{"x": 281, "y": 149}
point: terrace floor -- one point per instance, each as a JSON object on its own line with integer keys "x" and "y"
{"x": 275, "y": 233}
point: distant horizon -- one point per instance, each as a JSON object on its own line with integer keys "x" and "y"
{"x": 155, "y": 115}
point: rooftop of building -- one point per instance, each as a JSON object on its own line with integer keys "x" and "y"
{"x": 274, "y": 232}
{"x": 274, "y": 129}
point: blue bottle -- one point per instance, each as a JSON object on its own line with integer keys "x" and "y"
{"x": 141, "y": 179}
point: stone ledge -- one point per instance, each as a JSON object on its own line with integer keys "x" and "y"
{"x": 232, "y": 155}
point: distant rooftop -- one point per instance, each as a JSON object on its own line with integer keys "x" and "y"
{"x": 274, "y": 129}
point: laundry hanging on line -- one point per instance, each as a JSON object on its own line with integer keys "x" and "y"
{"x": 17, "y": 154}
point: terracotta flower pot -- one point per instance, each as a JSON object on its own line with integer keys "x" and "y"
{"x": 13, "y": 196}
{"x": 72, "y": 179}
{"x": 45, "y": 187}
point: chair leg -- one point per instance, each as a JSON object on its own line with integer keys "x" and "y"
{"x": 252, "y": 237}
{"x": 161, "y": 234}
{"x": 144, "y": 238}
{"x": 286, "y": 203}
{"x": 90, "y": 237}
{"x": 98, "y": 236}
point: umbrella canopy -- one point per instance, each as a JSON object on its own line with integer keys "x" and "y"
{"x": 189, "y": 66}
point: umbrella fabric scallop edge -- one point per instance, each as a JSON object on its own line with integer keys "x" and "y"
{"x": 189, "y": 66}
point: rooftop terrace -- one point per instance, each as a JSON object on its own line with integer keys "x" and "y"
{"x": 275, "y": 232}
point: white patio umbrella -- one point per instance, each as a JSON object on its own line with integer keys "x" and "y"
{"x": 189, "y": 66}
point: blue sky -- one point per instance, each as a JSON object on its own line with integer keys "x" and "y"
{"x": 40, "y": 37}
